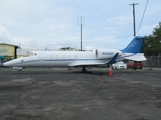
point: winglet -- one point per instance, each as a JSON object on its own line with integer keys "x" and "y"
{"x": 113, "y": 59}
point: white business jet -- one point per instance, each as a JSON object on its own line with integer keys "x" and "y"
{"x": 82, "y": 59}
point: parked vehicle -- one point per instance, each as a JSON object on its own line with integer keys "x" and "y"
{"x": 119, "y": 65}
{"x": 134, "y": 65}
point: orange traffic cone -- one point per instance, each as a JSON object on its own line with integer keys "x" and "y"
{"x": 110, "y": 72}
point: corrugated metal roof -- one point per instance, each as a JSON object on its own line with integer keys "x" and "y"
{"x": 10, "y": 45}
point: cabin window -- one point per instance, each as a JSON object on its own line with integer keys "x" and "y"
{"x": 51, "y": 56}
{"x": 75, "y": 56}
{"x": 57, "y": 57}
{"x": 63, "y": 57}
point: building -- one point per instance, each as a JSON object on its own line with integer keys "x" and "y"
{"x": 8, "y": 52}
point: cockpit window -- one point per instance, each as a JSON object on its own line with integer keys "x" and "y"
{"x": 29, "y": 55}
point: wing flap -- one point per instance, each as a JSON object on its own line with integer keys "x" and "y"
{"x": 94, "y": 63}
{"x": 77, "y": 64}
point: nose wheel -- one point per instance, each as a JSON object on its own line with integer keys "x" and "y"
{"x": 20, "y": 71}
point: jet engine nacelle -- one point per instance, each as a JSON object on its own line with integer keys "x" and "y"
{"x": 105, "y": 53}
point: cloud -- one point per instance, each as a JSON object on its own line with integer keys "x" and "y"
{"x": 5, "y": 37}
{"x": 53, "y": 23}
{"x": 119, "y": 20}
{"x": 10, "y": 12}
{"x": 147, "y": 29}
{"x": 110, "y": 39}
{"x": 118, "y": 25}
{"x": 25, "y": 41}
{"x": 153, "y": 8}
{"x": 3, "y": 31}
{"x": 60, "y": 26}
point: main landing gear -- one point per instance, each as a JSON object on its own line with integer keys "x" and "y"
{"x": 86, "y": 69}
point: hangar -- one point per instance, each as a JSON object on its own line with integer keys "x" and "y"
{"x": 8, "y": 52}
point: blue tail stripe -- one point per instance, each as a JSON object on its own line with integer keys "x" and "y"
{"x": 135, "y": 46}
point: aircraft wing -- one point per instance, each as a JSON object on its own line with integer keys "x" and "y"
{"x": 95, "y": 63}
{"x": 78, "y": 64}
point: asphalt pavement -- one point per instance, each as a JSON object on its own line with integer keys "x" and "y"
{"x": 62, "y": 94}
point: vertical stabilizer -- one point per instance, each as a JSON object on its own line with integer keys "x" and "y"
{"x": 135, "y": 46}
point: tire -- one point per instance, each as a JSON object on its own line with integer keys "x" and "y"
{"x": 20, "y": 71}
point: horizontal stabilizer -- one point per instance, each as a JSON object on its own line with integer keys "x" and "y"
{"x": 137, "y": 57}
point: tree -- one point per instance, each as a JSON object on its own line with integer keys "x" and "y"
{"x": 153, "y": 42}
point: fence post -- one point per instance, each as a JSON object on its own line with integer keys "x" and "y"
{"x": 151, "y": 61}
{"x": 158, "y": 60}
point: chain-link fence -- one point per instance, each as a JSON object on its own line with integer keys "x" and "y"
{"x": 153, "y": 62}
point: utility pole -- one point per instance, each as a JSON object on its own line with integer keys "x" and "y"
{"x": 81, "y": 21}
{"x": 134, "y": 17}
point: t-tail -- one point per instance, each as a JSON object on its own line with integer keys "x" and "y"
{"x": 135, "y": 49}
{"x": 135, "y": 46}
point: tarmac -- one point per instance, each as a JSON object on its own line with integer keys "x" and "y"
{"x": 62, "y": 94}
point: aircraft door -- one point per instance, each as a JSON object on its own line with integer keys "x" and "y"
{"x": 42, "y": 56}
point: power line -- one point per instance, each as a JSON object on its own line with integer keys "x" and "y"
{"x": 109, "y": 39}
{"x": 83, "y": 42}
{"x": 143, "y": 15}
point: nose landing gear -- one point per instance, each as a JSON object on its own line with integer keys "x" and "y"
{"x": 20, "y": 71}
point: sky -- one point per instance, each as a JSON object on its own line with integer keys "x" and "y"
{"x": 37, "y": 24}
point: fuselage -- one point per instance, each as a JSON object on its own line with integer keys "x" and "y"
{"x": 63, "y": 58}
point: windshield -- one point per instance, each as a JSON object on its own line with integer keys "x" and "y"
{"x": 29, "y": 54}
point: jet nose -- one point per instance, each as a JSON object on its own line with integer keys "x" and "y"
{"x": 6, "y": 64}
